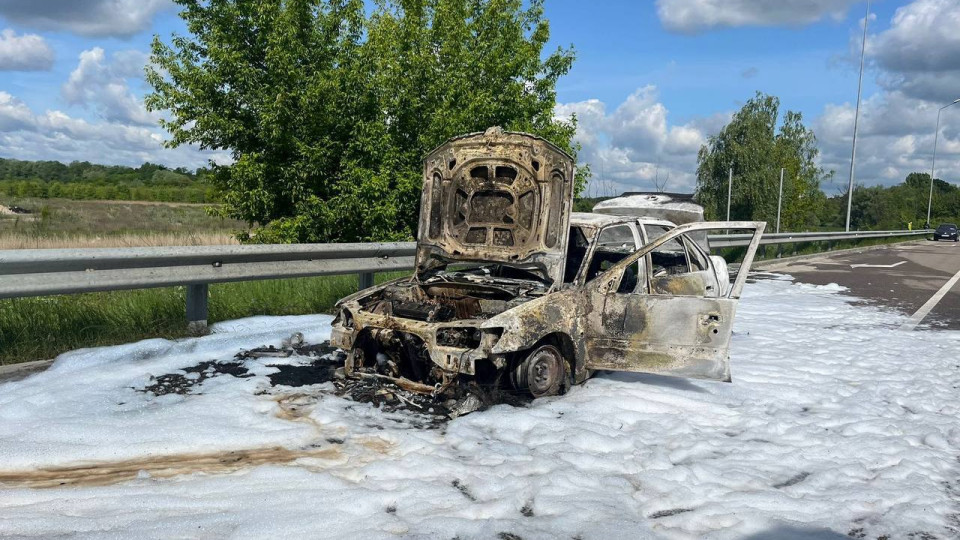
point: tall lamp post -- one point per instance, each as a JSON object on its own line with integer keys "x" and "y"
{"x": 936, "y": 135}
{"x": 856, "y": 116}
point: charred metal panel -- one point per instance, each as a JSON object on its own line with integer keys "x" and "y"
{"x": 689, "y": 284}
{"x": 668, "y": 335}
{"x": 558, "y": 314}
{"x": 496, "y": 197}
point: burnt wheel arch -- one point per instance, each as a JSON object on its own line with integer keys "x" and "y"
{"x": 520, "y": 370}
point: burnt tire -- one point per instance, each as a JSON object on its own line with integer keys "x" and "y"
{"x": 542, "y": 372}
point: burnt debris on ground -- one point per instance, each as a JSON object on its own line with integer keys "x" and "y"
{"x": 313, "y": 364}
{"x": 184, "y": 383}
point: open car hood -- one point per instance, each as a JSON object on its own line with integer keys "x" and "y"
{"x": 499, "y": 197}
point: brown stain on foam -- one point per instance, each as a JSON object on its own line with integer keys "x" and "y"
{"x": 377, "y": 444}
{"x": 296, "y": 408}
{"x": 106, "y": 473}
{"x": 292, "y": 407}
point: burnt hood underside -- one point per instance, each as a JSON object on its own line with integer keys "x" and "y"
{"x": 496, "y": 197}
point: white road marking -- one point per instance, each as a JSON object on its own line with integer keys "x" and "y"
{"x": 931, "y": 303}
{"x": 894, "y": 265}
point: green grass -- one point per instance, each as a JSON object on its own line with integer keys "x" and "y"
{"x": 41, "y": 328}
{"x": 62, "y": 217}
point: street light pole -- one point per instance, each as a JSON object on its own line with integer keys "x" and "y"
{"x": 779, "y": 199}
{"x": 856, "y": 116}
{"x": 729, "y": 191}
{"x": 936, "y": 135}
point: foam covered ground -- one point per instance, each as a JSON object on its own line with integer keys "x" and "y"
{"x": 836, "y": 423}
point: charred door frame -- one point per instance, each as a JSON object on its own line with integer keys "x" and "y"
{"x": 676, "y": 335}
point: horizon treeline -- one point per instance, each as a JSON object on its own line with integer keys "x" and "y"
{"x": 874, "y": 207}
{"x": 82, "y": 180}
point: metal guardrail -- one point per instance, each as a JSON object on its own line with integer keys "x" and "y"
{"x": 42, "y": 272}
{"x": 736, "y": 240}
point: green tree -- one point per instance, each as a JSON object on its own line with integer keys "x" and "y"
{"x": 756, "y": 148}
{"x": 327, "y": 111}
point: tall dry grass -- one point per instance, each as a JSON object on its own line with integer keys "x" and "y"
{"x": 17, "y": 240}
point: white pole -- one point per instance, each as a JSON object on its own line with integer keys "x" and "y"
{"x": 856, "y": 116}
{"x": 936, "y": 135}
{"x": 780, "y": 199}
{"x": 933, "y": 166}
{"x": 729, "y": 191}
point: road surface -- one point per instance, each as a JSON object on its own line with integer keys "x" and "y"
{"x": 911, "y": 277}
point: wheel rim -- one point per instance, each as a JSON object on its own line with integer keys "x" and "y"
{"x": 544, "y": 372}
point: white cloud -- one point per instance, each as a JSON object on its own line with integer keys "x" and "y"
{"x": 922, "y": 37}
{"x": 26, "y": 52}
{"x": 691, "y": 16}
{"x": 895, "y": 138}
{"x": 56, "y": 135}
{"x": 103, "y": 85}
{"x": 14, "y": 113}
{"x": 919, "y": 54}
{"x": 635, "y": 147}
{"x": 120, "y": 18}
{"x": 917, "y": 65}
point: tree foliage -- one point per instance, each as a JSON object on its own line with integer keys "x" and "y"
{"x": 896, "y": 207}
{"x": 82, "y": 180}
{"x": 328, "y": 109}
{"x": 756, "y": 147}
{"x": 84, "y": 171}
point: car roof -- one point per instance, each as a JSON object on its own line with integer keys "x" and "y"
{"x": 591, "y": 219}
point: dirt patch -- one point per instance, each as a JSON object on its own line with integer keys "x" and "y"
{"x": 105, "y": 473}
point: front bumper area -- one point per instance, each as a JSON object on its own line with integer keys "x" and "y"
{"x": 459, "y": 360}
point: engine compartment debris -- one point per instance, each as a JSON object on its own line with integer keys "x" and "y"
{"x": 321, "y": 363}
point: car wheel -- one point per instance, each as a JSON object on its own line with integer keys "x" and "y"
{"x": 542, "y": 372}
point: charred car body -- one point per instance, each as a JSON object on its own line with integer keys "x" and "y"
{"x": 512, "y": 287}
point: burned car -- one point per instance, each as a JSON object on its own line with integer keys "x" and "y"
{"x": 512, "y": 288}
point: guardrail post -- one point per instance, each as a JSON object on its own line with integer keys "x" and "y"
{"x": 197, "y": 295}
{"x": 364, "y": 280}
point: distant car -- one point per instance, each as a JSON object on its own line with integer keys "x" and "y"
{"x": 946, "y": 231}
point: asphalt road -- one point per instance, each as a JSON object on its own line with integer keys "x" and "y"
{"x": 903, "y": 276}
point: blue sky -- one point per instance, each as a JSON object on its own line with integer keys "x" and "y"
{"x": 652, "y": 80}
{"x": 623, "y": 45}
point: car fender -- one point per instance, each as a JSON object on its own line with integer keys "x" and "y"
{"x": 526, "y": 324}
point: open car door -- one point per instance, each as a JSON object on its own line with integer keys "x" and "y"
{"x": 671, "y": 320}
